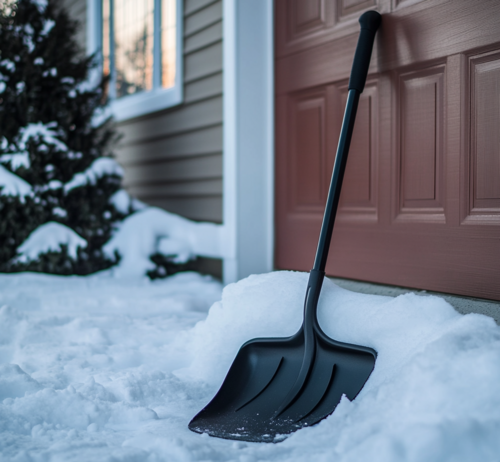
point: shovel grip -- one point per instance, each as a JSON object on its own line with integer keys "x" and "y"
{"x": 370, "y": 22}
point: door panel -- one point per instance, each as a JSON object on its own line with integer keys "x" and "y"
{"x": 420, "y": 205}
{"x": 420, "y": 175}
{"x": 485, "y": 134}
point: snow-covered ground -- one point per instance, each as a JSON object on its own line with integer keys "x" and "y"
{"x": 107, "y": 369}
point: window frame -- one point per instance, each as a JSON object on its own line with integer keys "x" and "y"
{"x": 145, "y": 102}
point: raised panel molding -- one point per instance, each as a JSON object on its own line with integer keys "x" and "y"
{"x": 482, "y": 167}
{"x": 349, "y": 7}
{"x": 404, "y": 3}
{"x": 420, "y": 146}
{"x": 305, "y": 17}
{"x": 306, "y": 188}
{"x": 358, "y": 201}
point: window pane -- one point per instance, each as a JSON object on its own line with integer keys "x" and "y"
{"x": 105, "y": 38}
{"x": 168, "y": 43}
{"x": 133, "y": 40}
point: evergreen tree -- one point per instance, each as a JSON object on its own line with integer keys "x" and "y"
{"x": 49, "y": 138}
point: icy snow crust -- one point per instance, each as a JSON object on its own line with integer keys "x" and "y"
{"x": 97, "y": 368}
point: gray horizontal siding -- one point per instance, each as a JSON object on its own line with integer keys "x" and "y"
{"x": 183, "y": 145}
{"x": 206, "y": 37}
{"x": 197, "y": 20}
{"x": 204, "y": 88}
{"x": 169, "y": 172}
{"x": 187, "y": 117}
{"x": 173, "y": 158}
{"x": 202, "y": 63}
{"x": 195, "y": 188}
{"x": 201, "y": 208}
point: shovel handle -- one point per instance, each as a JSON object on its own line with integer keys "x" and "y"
{"x": 370, "y": 22}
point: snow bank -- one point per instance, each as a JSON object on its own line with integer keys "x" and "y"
{"x": 98, "y": 168}
{"x": 153, "y": 230}
{"x": 432, "y": 395}
{"x": 100, "y": 368}
{"x": 50, "y": 237}
{"x": 12, "y": 185}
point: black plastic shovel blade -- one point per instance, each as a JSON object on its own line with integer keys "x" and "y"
{"x": 251, "y": 404}
{"x": 277, "y": 386}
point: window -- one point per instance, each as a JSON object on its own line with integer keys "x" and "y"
{"x": 142, "y": 53}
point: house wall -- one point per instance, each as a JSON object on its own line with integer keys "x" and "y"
{"x": 173, "y": 158}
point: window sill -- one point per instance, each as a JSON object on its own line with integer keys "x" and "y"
{"x": 144, "y": 103}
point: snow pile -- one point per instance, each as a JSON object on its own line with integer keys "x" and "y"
{"x": 101, "y": 369}
{"x": 153, "y": 230}
{"x": 49, "y": 238}
{"x": 12, "y": 185}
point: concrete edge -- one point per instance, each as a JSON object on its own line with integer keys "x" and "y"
{"x": 463, "y": 305}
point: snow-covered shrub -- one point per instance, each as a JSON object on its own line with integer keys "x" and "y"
{"x": 56, "y": 165}
{"x": 60, "y": 189}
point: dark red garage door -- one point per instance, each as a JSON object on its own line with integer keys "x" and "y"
{"x": 421, "y": 200}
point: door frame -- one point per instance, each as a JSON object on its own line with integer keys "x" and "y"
{"x": 248, "y": 138}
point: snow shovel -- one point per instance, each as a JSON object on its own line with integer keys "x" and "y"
{"x": 276, "y": 386}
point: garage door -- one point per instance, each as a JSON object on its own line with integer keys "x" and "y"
{"x": 420, "y": 205}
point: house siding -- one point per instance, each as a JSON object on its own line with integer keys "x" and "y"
{"x": 173, "y": 158}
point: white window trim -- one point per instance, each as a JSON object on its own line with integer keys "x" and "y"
{"x": 146, "y": 102}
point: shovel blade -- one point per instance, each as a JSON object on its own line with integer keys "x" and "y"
{"x": 261, "y": 376}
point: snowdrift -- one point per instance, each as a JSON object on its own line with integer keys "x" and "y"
{"x": 98, "y": 369}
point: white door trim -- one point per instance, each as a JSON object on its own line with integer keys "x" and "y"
{"x": 248, "y": 138}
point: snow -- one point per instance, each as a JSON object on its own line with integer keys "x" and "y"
{"x": 44, "y": 131}
{"x": 98, "y": 168}
{"x": 59, "y": 212}
{"x": 19, "y": 155}
{"x": 12, "y": 185}
{"x": 123, "y": 202}
{"x": 153, "y": 230}
{"x": 8, "y": 64}
{"x": 28, "y": 37}
{"x": 49, "y": 237}
{"x": 47, "y": 27}
{"x": 99, "y": 368}
{"x": 20, "y": 87}
{"x": 41, "y": 4}
{"x": 16, "y": 160}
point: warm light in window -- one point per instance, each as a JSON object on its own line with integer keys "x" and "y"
{"x": 168, "y": 44}
{"x": 106, "y": 68}
{"x": 133, "y": 40}
{"x": 139, "y": 45}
